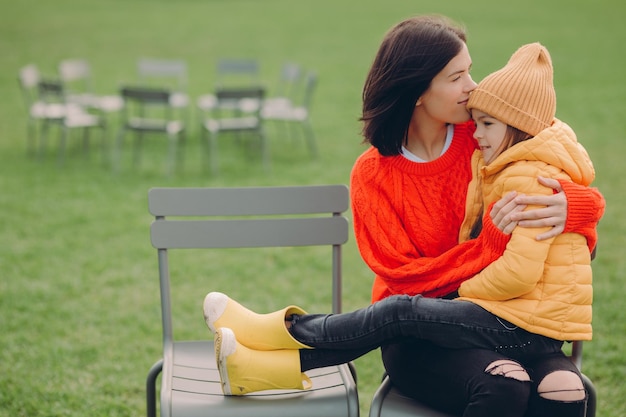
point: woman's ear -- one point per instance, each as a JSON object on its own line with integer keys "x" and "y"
{"x": 418, "y": 102}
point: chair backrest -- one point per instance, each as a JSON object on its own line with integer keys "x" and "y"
{"x": 239, "y": 93}
{"x": 28, "y": 78}
{"x": 309, "y": 89}
{"x": 290, "y": 77}
{"x": 146, "y": 103}
{"x": 247, "y": 217}
{"x": 165, "y": 73}
{"x": 577, "y": 353}
{"x": 74, "y": 69}
{"x": 51, "y": 91}
{"x": 76, "y": 75}
{"x": 145, "y": 94}
{"x": 239, "y": 102}
{"x": 237, "y": 72}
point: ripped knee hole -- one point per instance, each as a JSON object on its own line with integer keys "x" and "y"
{"x": 508, "y": 368}
{"x": 565, "y": 386}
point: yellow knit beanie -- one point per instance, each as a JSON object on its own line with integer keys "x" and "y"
{"x": 521, "y": 94}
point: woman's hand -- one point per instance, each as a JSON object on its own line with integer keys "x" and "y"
{"x": 503, "y": 210}
{"x": 508, "y": 211}
{"x": 553, "y": 214}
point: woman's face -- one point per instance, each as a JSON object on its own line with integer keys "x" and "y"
{"x": 446, "y": 98}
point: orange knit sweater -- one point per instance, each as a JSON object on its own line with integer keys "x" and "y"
{"x": 407, "y": 218}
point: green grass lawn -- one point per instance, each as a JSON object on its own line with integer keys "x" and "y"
{"x": 79, "y": 303}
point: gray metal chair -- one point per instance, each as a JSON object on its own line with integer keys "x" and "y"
{"x": 37, "y": 110}
{"x": 288, "y": 87}
{"x": 244, "y": 218}
{"x": 389, "y": 402}
{"x": 169, "y": 74}
{"x": 77, "y": 79}
{"x": 231, "y": 74}
{"x": 149, "y": 110}
{"x": 296, "y": 111}
{"x": 67, "y": 116}
{"x": 243, "y": 117}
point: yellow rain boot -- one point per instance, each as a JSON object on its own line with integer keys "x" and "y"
{"x": 244, "y": 370}
{"x": 253, "y": 330}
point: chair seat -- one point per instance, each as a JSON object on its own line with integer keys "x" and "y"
{"x": 171, "y": 127}
{"x": 284, "y": 112}
{"x": 277, "y": 102}
{"x": 389, "y": 402}
{"x": 206, "y": 102}
{"x": 179, "y": 100}
{"x": 238, "y": 123}
{"x": 196, "y": 389}
{"x": 109, "y": 103}
{"x": 72, "y": 115}
{"x": 41, "y": 110}
{"x": 209, "y": 102}
{"x": 82, "y": 119}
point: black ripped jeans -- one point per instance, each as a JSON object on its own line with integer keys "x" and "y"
{"x": 449, "y": 324}
{"x": 448, "y": 343}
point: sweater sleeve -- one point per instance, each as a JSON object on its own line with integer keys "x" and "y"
{"x": 389, "y": 252}
{"x": 585, "y": 207}
{"x": 521, "y": 265}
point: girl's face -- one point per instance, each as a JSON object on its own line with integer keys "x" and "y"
{"x": 446, "y": 97}
{"x": 490, "y": 133}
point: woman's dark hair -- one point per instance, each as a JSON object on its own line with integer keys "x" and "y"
{"x": 412, "y": 53}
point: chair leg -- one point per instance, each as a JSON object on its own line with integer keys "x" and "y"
{"x": 151, "y": 398}
{"x": 116, "y": 154}
{"x": 180, "y": 150}
{"x": 310, "y": 138}
{"x": 591, "y": 396}
{"x": 205, "y": 148}
{"x": 86, "y": 140}
{"x": 213, "y": 153}
{"x": 172, "y": 156}
{"x": 138, "y": 143}
{"x": 104, "y": 144}
{"x": 293, "y": 131}
{"x": 31, "y": 137}
{"x": 63, "y": 139}
{"x": 43, "y": 142}
{"x": 264, "y": 150}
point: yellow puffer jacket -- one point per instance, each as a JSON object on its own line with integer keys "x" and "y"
{"x": 541, "y": 286}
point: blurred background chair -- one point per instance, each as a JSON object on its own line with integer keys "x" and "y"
{"x": 78, "y": 84}
{"x": 68, "y": 116}
{"x": 168, "y": 74}
{"x": 296, "y": 111}
{"x": 240, "y": 115}
{"x": 37, "y": 111}
{"x": 389, "y": 402}
{"x": 288, "y": 85}
{"x": 150, "y": 110}
{"x": 231, "y": 73}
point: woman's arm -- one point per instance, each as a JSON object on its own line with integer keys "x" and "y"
{"x": 572, "y": 208}
{"x": 407, "y": 257}
{"x": 412, "y": 273}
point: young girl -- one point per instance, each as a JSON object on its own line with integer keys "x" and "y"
{"x": 453, "y": 324}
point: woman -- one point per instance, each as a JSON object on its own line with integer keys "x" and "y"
{"x": 408, "y": 196}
